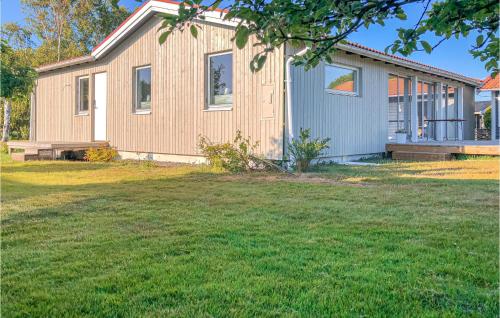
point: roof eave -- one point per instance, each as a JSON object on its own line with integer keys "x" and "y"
{"x": 489, "y": 89}
{"x": 64, "y": 64}
{"x": 151, "y": 8}
{"x": 410, "y": 65}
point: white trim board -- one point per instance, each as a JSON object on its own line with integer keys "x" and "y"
{"x": 150, "y": 8}
{"x": 161, "y": 157}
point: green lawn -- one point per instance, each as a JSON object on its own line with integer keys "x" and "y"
{"x": 126, "y": 239}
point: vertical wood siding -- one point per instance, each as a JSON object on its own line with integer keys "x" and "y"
{"x": 357, "y": 125}
{"x": 178, "y": 116}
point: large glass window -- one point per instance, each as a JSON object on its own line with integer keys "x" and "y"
{"x": 341, "y": 79}
{"x": 451, "y": 112}
{"x": 399, "y": 91}
{"x": 220, "y": 80}
{"x": 142, "y": 89}
{"x": 83, "y": 95}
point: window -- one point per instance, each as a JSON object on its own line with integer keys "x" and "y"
{"x": 342, "y": 79}
{"x": 142, "y": 89}
{"x": 220, "y": 80}
{"x": 83, "y": 95}
{"x": 399, "y": 91}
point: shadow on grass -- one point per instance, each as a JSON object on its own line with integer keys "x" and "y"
{"x": 196, "y": 185}
{"x": 53, "y": 166}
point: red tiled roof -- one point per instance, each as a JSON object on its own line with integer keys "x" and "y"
{"x": 491, "y": 83}
{"x": 399, "y": 58}
{"x": 392, "y": 87}
{"x": 345, "y": 86}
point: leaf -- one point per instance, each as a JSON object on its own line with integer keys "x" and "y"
{"x": 427, "y": 47}
{"x": 242, "y": 37}
{"x": 163, "y": 37}
{"x": 401, "y": 16}
{"x": 479, "y": 40}
{"x": 194, "y": 31}
{"x": 260, "y": 62}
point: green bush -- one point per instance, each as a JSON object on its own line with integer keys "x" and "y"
{"x": 101, "y": 154}
{"x": 461, "y": 156}
{"x": 304, "y": 149}
{"x": 487, "y": 118}
{"x": 236, "y": 156}
{"x": 4, "y": 148}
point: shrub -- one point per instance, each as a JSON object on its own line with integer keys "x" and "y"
{"x": 487, "y": 118}
{"x": 304, "y": 149}
{"x": 234, "y": 157}
{"x": 4, "y": 148}
{"x": 101, "y": 154}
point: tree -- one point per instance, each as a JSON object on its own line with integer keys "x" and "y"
{"x": 321, "y": 24}
{"x": 487, "y": 118}
{"x": 18, "y": 37}
{"x": 456, "y": 18}
{"x": 341, "y": 80}
{"x": 49, "y": 21}
{"x": 16, "y": 81}
{"x": 69, "y": 28}
{"x": 96, "y": 19}
{"x": 54, "y": 30}
{"x": 218, "y": 85}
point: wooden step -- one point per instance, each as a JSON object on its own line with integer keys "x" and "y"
{"x": 464, "y": 147}
{"x": 21, "y": 156}
{"x": 421, "y": 156}
{"x": 31, "y": 151}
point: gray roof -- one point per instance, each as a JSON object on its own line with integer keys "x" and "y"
{"x": 481, "y": 106}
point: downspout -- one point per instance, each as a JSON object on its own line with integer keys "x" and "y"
{"x": 288, "y": 80}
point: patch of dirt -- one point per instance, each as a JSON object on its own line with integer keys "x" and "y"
{"x": 305, "y": 178}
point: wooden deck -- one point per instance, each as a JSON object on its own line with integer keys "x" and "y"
{"x": 443, "y": 150}
{"x": 48, "y": 150}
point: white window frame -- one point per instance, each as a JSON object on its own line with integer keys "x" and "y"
{"x": 135, "y": 110}
{"x": 79, "y": 110}
{"x": 357, "y": 79}
{"x": 215, "y": 107}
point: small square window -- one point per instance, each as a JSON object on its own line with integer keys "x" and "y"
{"x": 220, "y": 80}
{"x": 342, "y": 79}
{"x": 83, "y": 95}
{"x": 142, "y": 80}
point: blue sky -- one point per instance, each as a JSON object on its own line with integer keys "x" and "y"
{"x": 452, "y": 55}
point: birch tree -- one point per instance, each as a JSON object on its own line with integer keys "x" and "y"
{"x": 16, "y": 81}
{"x": 70, "y": 28}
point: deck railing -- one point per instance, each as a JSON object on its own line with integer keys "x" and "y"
{"x": 431, "y": 123}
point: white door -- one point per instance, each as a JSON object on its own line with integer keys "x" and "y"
{"x": 100, "y": 106}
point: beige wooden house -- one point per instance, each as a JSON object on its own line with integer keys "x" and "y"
{"x": 154, "y": 101}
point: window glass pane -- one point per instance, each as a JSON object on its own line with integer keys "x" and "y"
{"x": 399, "y": 105}
{"x": 83, "y": 104}
{"x": 143, "y": 87}
{"x": 340, "y": 79}
{"x": 451, "y": 113}
{"x": 221, "y": 79}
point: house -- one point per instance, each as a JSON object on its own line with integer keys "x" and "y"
{"x": 154, "y": 101}
{"x": 480, "y": 109}
{"x": 492, "y": 84}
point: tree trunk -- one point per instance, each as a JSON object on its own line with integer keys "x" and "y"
{"x": 6, "y": 120}
{"x": 59, "y": 48}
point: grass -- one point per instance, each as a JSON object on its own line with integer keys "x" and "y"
{"x": 126, "y": 239}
